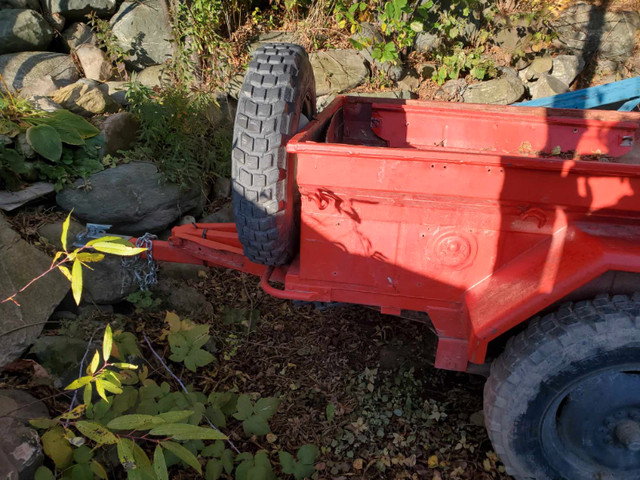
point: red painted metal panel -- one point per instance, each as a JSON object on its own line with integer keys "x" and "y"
{"x": 465, "y": 212}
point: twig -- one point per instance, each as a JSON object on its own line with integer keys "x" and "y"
{"x": 75, "y": 392}
{"x": 184, "y": 389}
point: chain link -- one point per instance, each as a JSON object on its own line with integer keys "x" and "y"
{"x": 145, "y": 272}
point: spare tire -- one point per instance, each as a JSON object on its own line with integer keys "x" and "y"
{"x": 278, "y": 90}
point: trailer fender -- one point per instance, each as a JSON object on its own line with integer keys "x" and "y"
{"x": 557, "y": 266}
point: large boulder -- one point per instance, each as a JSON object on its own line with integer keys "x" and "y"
{"x": 120, "y": 132}
{"x": 567, "y": 67}
{"x": 19, "y": 70}
{"x": 85, "y": 98}
{"x": 32, "y": 4}
{"x": 94, "y": 62}
{"x": 22, "y": 30}
{"x": 141, "y": 29}
{"x": 21, "y": 322}
{"x": 78, "y": 9}
{"x": 78, "y": 34}
{"x": 501, "y": 91}
{"x": 547, "y": 86}
{"x": 586, "y": 29}
{"x": 132, "y": 198}
{"x": 337, "y": 70}
{"x": 154, "y": 76}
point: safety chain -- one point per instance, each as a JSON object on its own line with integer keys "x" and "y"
{"x": 145, "y": 272}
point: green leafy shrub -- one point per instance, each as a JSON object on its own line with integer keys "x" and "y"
{"x": 180, "y": 132}
{"x": 152, "y": 427}
{"x": 65, "y": 146}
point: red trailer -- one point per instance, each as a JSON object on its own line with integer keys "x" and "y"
{"x": 515, "y": 231}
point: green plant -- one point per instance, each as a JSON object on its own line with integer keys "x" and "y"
{"x": 64, "y": 146}
{"x": 151, "y": 426}
{"x": 144, "y": 300}
{"x": 303, "y": 467}
{"x": 180, "y": 132}
{"x": 462, "y": 61}
{"x": 79, "y": 258}
{"x": 109, "y": 42}
{"x": 186, "y": 340}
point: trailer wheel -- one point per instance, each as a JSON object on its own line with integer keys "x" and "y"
{"x": 277, "y": 97}
{"x": 563, "y": 400}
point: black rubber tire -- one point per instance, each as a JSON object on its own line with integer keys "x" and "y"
{"x": 555, "y": 352}
{"x": 278, "y": 87}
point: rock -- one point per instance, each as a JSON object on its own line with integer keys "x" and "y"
{"x": 21, "y": 406}
{"x": 427, "y": 70}
{"x": 84, "y": 99}
{"x": 22, "y": 30}
{"x": 606, "y": 67}
{"x": 142, "y": 30}
{"x": 426, "y": 42}
{"x": 547, "y": 86}
{"x": 60, "y": 355}
{"x": 31, "y": 4}
{"x": 23, "y": 147}
{"x": 222, "y": 187}
{"x": 19, "y": 70}
{"x": 337, "y": 70}
{"x": 477, "y": 418}
{"x": 40, "y": 87}
{"x": 20, "y": 448}
{"x": 109, "y": 282}
{"x": 539, "y": 66}
{"x": 510, "y": 39}
{"x": 11, "y": 200}
{"x": 185, "y": 300}
{"x": 94, "y": 62}
{"x": 223, "y": 215}
{"x": 501, "y": 91}
{"x": 410, "y": 82}
{"x": 117, "y": 90}
{"x": 369, "y": 36}
{"x": 508, "y": 72}
{"x": 78, "y": 9}
{"x": 452, "y": 90}
{"x": 120, "y": 132}
{"x": 155, "y": 76}
{"x": 324, "y": 100}
{"x": 79, "y": 34}
{"x": 567, "y": 67}
{"x": 187, "y": 220}
{"x": 131, "y": 197}
{"x": 5, "y": 140}
{"x": 19, "y": 264}
{"x": 585, "y": 29}
{"x": 56, "y": 20}
{"x": 44, "y": 103}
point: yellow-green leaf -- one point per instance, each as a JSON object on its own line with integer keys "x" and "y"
{"x": 65, "y": 232}
{"x": 43, "y": 422}
{"x": 125, "y": 366}
{"x": 98, "y": 470}
{"x": 107, "y": 238}
{"x": 100, "y": 390}
{"x": 65, "y": 271}
{"x": 93, "y": 366}
{"x": 135, "y": 422}
{"x": 79, "y": 383}
{"x": 118, "y": 249}
{"x": 107, "y": 343}
{"x": 87, "y": 257}
{"x": 96, "y": 432}
{"x": 125, "y": 453}
{"x": 76, "y": 281}
{"x": 73, "y": 414}
{"x": 110, "y": 387}
{"x": 183, "y": 454}
{"x": 57, "y": 447}
{"x": 159, "y": 464}
{"x": 185, "y": 431}
{"x": 86, "y": 394}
